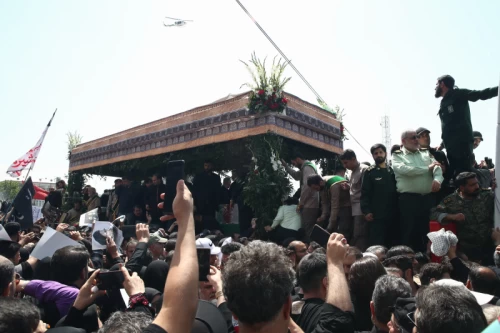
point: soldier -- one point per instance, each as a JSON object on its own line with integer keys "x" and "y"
{"x": 309, "y": 200}
{"x": 379, "y": 198}
{"x": 418, "y": 174}
{"x": 456, "y": 126}
{"x": 472, "y": 209}
{"x": 335, "y": 201}
{"x": 360, "y": 232}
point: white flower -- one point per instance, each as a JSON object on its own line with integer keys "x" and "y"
{"x": 269, "y": 90}
{"x": 255, "y": 167}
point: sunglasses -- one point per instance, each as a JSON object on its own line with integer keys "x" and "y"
{"x": 411, "y": 317}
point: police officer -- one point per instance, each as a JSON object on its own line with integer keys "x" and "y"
{"x": 456, "y": 126}
{"x": 424, "y": 140}
{"x": 379, "y": 200}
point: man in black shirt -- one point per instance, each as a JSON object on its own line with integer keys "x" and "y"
{"x": 456, "y": 125}
{"x": 137, "y": 216}
{"x": 313, "y": 280}
{"x": 154, "y": 198}
{"x": 127, "y": 196}
{"x": 206, "y": 194}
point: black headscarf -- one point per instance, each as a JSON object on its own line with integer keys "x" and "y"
{"x": 156, "y": 275}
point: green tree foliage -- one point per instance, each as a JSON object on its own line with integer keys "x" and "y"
{"x": 267, "y": 183}
{"x": 76, "y": 180}
{"x": 9, "y": 189}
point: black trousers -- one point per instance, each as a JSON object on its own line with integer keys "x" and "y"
{"x": 414, "y": 213}
{"x": 460, "y": 157}
{"x": 280, "y": 234}
{"x": 379, "y": 231}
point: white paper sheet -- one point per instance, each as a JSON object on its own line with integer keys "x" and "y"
{"x": 88, "y": 218}
{"x": 50, "y": 242}
{"x": 3, "y": 233}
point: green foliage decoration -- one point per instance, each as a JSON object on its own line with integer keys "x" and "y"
{"x": 267, "y": 182}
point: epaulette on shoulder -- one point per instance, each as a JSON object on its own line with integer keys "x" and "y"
{"x": 398, "y": 151}
{"x": 448, "y": 199}
{"x": 371, "y": 167}
{"x": 424, "y": 149}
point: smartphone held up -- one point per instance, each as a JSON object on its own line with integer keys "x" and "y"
{"x": 175, "y": 172}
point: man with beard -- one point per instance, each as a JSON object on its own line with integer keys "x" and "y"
{"x": 424, "y": 140}
{"x": 309, "y": 199}
{"x": 472, "y": 209}
{"x": 456, "y": 126}
{"x": 418, "y": 175}
{"x": 379, "y": 198}
{"x": 360, "y": 230}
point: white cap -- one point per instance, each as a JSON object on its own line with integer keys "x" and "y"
{"x": 481, "y": 298}
{"x": 205, "y": 243}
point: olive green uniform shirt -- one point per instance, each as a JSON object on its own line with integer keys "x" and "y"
{"x": 412, "y": 171}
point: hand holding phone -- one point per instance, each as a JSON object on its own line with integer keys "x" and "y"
{"x": 107, "y": 280}
{"x": 215, "y": 278}
{"x": 175, "y": 172}
{"x": 203, "y": 264}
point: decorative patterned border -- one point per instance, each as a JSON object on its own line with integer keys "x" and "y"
{"x": 238, "y": 120}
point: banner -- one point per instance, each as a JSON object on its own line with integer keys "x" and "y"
{"x": 37, "y": 213}
{"x": 22, "y": 204}
{"x": 28, "y": 160}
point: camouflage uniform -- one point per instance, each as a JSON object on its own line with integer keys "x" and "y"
{"x": 474, "y": 234}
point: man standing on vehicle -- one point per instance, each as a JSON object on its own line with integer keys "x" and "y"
{"x": 456, "y": 126}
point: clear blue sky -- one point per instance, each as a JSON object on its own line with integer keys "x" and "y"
{"x": 111, "y": 65}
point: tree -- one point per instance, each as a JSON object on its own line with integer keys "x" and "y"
{"x": 9, "y": 189}
{"x": 76, "y": 179}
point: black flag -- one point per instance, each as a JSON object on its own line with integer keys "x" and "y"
{"x": 22, "y": 204}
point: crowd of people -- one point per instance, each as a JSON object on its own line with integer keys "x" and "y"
{"x": 378, "y": 271}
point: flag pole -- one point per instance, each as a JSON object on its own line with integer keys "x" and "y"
{"x": 29, "y": 170}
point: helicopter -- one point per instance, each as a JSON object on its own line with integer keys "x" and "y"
{"x": 177, "y": 22}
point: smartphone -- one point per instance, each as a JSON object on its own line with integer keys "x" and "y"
{"x": 175, "y": 172}
{"x": 320, "y": 236}
{"x": 203, "y": 263}
{"x": 107, "y": 280}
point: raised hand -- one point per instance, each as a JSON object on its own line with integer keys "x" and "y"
{"x": 142, "y": 232}
{"x": 132, "y": 284}
{"x": 88, "y": 293}
{"x": 336, "y": 248}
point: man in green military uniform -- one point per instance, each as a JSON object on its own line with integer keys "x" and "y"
{"x": 456, "y": 126}
{"x": 472, "y": 209}
{"x": 379, "y": 199}
{"x": 308, "y": 206}
{"x": 335, "y": 202}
